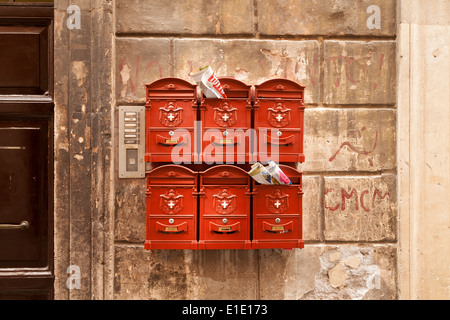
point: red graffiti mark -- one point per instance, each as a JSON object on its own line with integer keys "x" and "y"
{"x": 331, "y": 208}
{"x": 286, "y": 61}
{"x": 361, "y": 200}
{"x": 348, "y": 62}
{"x": 345, "y": 195}
{"x": 312, "y": 75}
{"x": 377, "y": 193}
{"x": 221, "y": 63}
{"x": 153, "y": 62}
{"x": 375, "y": 85}
{"x": 134, "y": 81}
{"x": 260, "y": 62}
{"x": 381, "y": 64}
{"x": 354, "y": 149}
{"x": 337, "y": 81}
{"x": 191, "y": 68}
{"x": 138, "y": 62}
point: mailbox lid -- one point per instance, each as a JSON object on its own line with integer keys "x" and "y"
{"x": 279, "y": 89}
{"x": 223, "y": 175}
{"x": 234, "y": 89}
{"x": 277, "y": 228}
{"x": 171, "y": 229}
{"x": 226, "y": 145}
{"x": 288, "y": 143}
{"x": 232, "y": 229}
{"x": 171, "y": 103}
{"x": 172, "y": 175}
{"x": 171, "y": 88}
{"x": 161, "y": 143}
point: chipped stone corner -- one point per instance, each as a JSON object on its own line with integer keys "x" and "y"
{"x": 329, "y": 272}
{"x": 356, "y": 272}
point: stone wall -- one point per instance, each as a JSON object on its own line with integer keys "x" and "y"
{"x": 344, "y": 52}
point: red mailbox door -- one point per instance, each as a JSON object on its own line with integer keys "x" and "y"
{"x": 171, "y": 112}
{"x": 279, "y": 115}
{"x": 277, "y": 213}
{"x": 224, "y": 208}
{"x": 226, "y": 124}
{"x": 171, "y": 208}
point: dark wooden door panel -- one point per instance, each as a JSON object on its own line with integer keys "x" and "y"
{"x": 23, "y": 185}
{"x": 25, "y": 295}
{"x": 19, "y": 55}
{"x": 23, "y": 59}
{"x": 29, "y": 287}
{"x": 26, "y": 151}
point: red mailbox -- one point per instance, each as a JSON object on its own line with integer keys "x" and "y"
{"x": 277, "y": 213}
{"x": 171, "y": 112}
{"x": 171, "y": 208}
{"x": 278, "y": 122}
{"x": 226, "y": 123}
{"x": 224, "y": 208}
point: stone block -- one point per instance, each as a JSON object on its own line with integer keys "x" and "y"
{"x": 139, "y": 61}
{"x": 360, "y": 208}
{"x": 184, "y": 274}
{"x": 130, "y": 210}
{"x": 329, "y": 17}
{"x": 185, "y": 17}
{"x": 150, "y": 275}
{"x": 329, "y": 272}
{"x": 357, "y": 72}
{"x": 288, "y": 274}
{"x": 349, "y": 139}
{"x": 225, "y": 274}
{"x": 252, "y": 61}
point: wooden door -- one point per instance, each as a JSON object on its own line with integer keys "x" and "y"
{"x": 26, "y": 152}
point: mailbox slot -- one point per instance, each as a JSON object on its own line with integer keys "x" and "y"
{"x": 171, "y": 113}
{"x": 171, "y": 208}
{"x": 277, "y": 213}
{"x": 278, "y": 121}
{"x": 224, "y": 208}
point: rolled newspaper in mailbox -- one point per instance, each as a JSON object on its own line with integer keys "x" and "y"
{"x": 208, "y": 83}
{"x": 261, "y": 175}
{"x": 277, "y": 173}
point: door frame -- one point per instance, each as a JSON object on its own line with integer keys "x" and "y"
{"x": 84, "y": 185}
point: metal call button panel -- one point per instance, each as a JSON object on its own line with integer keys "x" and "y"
{"x": 131, "y": 142}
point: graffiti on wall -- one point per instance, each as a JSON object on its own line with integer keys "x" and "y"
{"x": 132, "y": 78}
{"x": 361, "y": 66}
{"x": 366, "y": 199}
